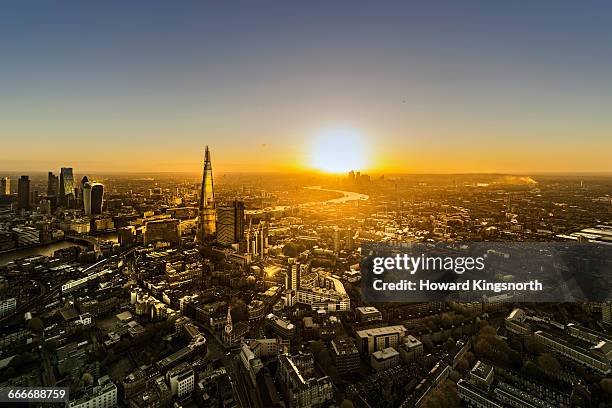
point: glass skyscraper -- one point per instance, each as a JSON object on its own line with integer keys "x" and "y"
{"x": 66, "y": 187}
{"x": 23, "y": 192}
{"x": 207, "y": 213}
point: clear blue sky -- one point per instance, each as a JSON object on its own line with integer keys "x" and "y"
{"x": 432, "y": 86}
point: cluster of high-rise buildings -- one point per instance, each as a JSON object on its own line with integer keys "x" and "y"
{"x": 62, "y": 191}
{"x": 226, "y": 223}
{"x": 355, "y": 177}
{"x": 282, "y": 284}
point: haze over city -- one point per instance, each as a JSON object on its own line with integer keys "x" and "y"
{"x": 322, "y": 204}
{"x": 476, "y": 87}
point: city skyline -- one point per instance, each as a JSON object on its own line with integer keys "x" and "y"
{"x": 479, "y": 88}
{"x": 306, "y": 205}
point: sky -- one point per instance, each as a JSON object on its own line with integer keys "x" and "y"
{"x": 426, "y": 87}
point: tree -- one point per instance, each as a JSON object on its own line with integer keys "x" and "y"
{"x": 455, "y": 375}
{"x": 427, "y": 344}
{"x": 445, "y": 395}
{"x": 483, "y": 348}
{"x": 533, "y": 346}
{"x": 451, "y": 346}
{"x": 549, "y": 364}
{"x": 463, "y": 365}
{"x": 445, "y": 320}
{"x": 87, "y": 379}
{"x": 514, "y": 359}
{"x": 8, "y": 373}
{"x": 531, "y": 370}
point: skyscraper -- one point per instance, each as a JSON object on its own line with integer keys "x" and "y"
{"x": 66, "y": 186}
{"x": 5, "y": 186}
{"x": 78, "y": 192}
{"x": 97, "y": 197}
{"x": 93, "y": 196}
{"x": 350, "y": 240}
{"x": 52, "y": 185}
{"x": 86, "y": 187}
{"x": 294, "y": 275}
{"x": 336, "y": 237}
{"x": 257, "y": 239}
{"x": 230, "y": 223}
{"x": 23, "y": 193}
{"x": 207, "y": 215}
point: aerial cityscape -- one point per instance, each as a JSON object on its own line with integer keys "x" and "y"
{"x": 241, "y": 290}
{"x": 306, "y": 205}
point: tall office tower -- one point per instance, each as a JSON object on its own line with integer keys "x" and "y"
{"x": 87, "y": 198}
{"x": 78, "y": 192}
{"x": 350, "y": 240}
{"x": 93, "y": 196}
{"x": 207, "y": 216}
{"x": 257, "y": 239}
{"x": 78, "y": 197}
{"x": 5, "y": 186}
{"x": 52, "y": 185}
{"x": 97, "y": 198}
{"x": 34, "y": 198}
{"x": 336, "y": 236}
{"x": 66, "y": 186}
{"x": 294, "y": 274}
{"x": 23, "y": 192}
{"x": 230, "y": 223}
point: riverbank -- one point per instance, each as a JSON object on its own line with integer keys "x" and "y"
{"x": 46, "y": 249}
{"x": 43, "y": 249}
{"x": 346, "y": 195}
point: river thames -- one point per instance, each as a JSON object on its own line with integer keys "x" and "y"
{"x": 46, "y": 250}
{"x": 49, "y": 249}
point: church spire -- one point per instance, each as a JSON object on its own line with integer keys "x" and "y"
{"x": 228, "y": 324}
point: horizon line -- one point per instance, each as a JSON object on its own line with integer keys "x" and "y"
{"x": 327, "y": 174}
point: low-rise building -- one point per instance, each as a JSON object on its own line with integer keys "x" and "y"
{"x": 384, "y": 359}
{"x": 280, "y": 326}
{"x": 516, "y": 323}
{"x": 410, "y": 349}
{"x": 103, "y": 395}
{"x": 181, "y": 379}
{"x": 366, "y": 314}
{"x": 476, "y": 396}
{"x": 345, "y": 355}
{"x": 371, "y": 340}
{"x": 482, "y": 375}
{"x": 7, "y": 305}
{"x": 303, "y": 388}
{"x": 595, "y": 358}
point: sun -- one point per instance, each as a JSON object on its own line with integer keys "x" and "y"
{"x": 338, "y": 151}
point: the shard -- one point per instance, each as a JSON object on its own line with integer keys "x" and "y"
{"x": 207, "y": 214}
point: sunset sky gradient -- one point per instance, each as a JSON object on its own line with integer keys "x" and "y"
{"x": 441, "y": 86}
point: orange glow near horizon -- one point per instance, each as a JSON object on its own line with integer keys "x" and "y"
{"x": 338, "y": 151}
